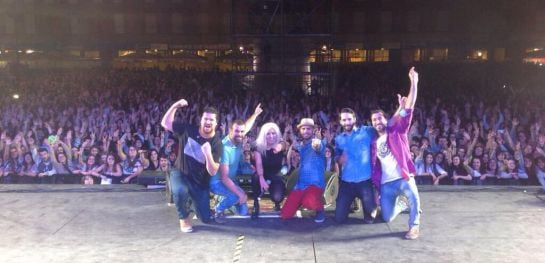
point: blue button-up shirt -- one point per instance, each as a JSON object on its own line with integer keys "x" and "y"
{"x": 357, "y": 146}
{"x": 311, "y": 171}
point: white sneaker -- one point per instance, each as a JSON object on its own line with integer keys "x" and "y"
{"x": 185, "y": 226}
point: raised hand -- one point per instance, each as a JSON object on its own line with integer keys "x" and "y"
{"x": 258, "y": 110}
{"x": 316, "y": 143}
{"x": 402, "y": 100}
{"x": 318, "y": 133}
{"x": 515, "y": 122}
{"x": 413, "y": 75}
{"x": 181, "y": 103}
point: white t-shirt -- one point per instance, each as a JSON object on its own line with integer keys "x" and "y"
{"x": 390, "y": 169}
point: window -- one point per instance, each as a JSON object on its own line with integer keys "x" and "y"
{"x": 417, "y": 55}
{"x": 357, "y": 55}
{"x": 335, "y": 55}
{"x": 75, "y": 53}
{"x": 439, "y": 54}
{"x": 381, "y": 55}
{"x": 92, "y": 54}
{"x": 125, "y": 52}
{"x": 478, "y": 54}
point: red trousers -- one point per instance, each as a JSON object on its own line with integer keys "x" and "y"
{"x": 310, "y": 198}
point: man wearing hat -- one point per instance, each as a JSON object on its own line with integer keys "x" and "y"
{"x": 309, "y": 189}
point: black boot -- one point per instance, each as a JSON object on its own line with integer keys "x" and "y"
{"x": 276, "y": 207}
{"x": 255, "y": 212}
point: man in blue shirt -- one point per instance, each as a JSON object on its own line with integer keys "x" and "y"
{"x": 309, "y": 189}
{"x": 353, "y": 153}
{"x": 223, "y": 183}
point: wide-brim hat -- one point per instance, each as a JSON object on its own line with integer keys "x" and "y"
{"x": 305, "y": 122}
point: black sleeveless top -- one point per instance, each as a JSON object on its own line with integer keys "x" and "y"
{"x": 272, "y": 163}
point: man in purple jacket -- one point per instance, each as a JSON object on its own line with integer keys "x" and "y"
{"x": 393, "y": 169}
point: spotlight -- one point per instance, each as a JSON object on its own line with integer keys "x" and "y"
{"x": 16, "y": 96}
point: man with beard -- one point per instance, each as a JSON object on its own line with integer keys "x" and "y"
{"x": 309, "y": 189}
{"x": 223, "y": 183}
{"x": 393, "y": 168}
{"x": 198, "y": 158}
{"x": 353, "y": 153}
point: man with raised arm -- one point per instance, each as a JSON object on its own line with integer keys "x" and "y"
{"x": 223, "y": 183}
{"x": 393, "y": 168}
{"x": 198, "y": 158}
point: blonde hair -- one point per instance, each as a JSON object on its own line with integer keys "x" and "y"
{"x": 261, "y": 140}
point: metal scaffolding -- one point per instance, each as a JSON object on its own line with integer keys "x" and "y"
{"x": 273, "y": 41}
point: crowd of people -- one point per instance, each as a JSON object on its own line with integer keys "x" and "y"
{"x": 481, "y": 126}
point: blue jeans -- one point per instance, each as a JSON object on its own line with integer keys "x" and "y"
{"x": 227, "y": 198}
{"x": 183, "y": 190}
{"x": 348, "y": 192}
{"x": 389, "y": 193}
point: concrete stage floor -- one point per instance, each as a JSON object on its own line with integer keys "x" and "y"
{"x": 75, "y": 223}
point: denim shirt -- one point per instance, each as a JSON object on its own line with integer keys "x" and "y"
{"x": 357, "y": 146}
{"x": 312, "y": 167}
{"x": 398, "y": 142}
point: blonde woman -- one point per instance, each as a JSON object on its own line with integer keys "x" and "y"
{"x": 268, "y": 153}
